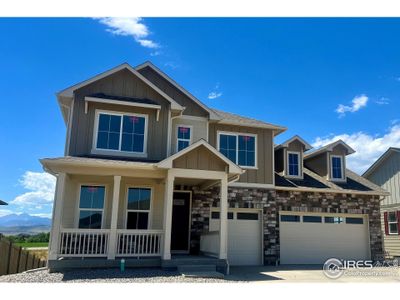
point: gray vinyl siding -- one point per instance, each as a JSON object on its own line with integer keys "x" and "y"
{"x": 199, "y": 130}
{"x": 122, "y": 83}
{"x": 191, "y": 108}
{"x": 264, "y": 173}
{"x": 387, "y": 176}
{"x": 391, "y": 242}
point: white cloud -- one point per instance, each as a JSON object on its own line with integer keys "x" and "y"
{"x": 42, "y": 215}
{"x": 357, "y": 103}
{"x": 382, "y": 101}
{"x": 133, "y": 27}
{"x": 5, "y": 212}
{"x": 41, "y": 188}
{"x": 215, "y": 93}
{"x": 368, "y": 147}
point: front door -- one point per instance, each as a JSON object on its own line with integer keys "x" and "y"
{"x": 180, "y": 222}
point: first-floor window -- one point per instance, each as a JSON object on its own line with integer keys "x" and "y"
{"x": 239, "y": 148}
{"x": 91, "y": 206}
{"x": 183, "y": 137}
{"x": 393, "y": 222}
{"x": 138, "y": 209}
{"x": 293, "y": 164}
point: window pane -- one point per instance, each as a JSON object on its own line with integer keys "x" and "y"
{"x": 138, "y": 143}
{"x": 246, "y": 150}
{"x": 336, "y": 167}
{"x": 137, "y": 220}
{"x": 354, "y": 221}
{"x": 246, "y": 216}
{"x": 139, "y": 198}
{"x": 215, "y": 215}
{"x": 227, "y": 146}
{"x": 133, "y": 134}
{"x": 393, "y": 229}
{"x": 90, "y": 219}
{"x": 290, "y": 218}
{"x": 92, "y": 197}
{"x": 392, "y": 216}
{"x": 312, "y": 219}
{"x": 334, "y": 220}
{"x": 184, "y": 133}
{"x": 104, "y": 122}
{"x": 293, "y": 164}
{"x": 182, "y": 145}
{"x": 113, "y": 141}
{"x": 108, "y": 132}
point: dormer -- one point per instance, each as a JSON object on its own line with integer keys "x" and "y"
{"x": 329, "y": 161}
{"x": 289, "y": 157}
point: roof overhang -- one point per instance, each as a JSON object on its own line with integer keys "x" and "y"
{"x": 285, "y": 144}
{"x": 277, "y": 129}
{"x": 380, "y": 160}
{"x": 3, "y": 203}
{"x": 329, "y": 148}
{"x": 233, "y": 169}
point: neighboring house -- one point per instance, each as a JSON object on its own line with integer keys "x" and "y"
{"x": 149, "y": 171}
{"x": 3, "y": 203}
{"x": 385, "y": 172}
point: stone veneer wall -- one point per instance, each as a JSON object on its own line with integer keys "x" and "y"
{"x": 273, "y": 201}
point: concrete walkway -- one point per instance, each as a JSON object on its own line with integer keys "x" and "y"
{"x": 300, "y": 273}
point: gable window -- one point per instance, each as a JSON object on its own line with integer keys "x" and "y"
{"x": 121, "y": 132}
{"x": 393, "y": 223}
{"x": 138, "y": 208}
{"x": 239, "y": 148}
{"x": 336, "y": 167}
{"x": 293, "y": 159}
{"x": 91, "y": 206}
{"x": 184, "y": 136}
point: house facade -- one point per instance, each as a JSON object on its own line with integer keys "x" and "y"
{"x": 385, "y": 172}
{"x": 151, "y": 174}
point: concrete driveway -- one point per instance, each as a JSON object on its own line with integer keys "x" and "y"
{"x": 306, "y": 273}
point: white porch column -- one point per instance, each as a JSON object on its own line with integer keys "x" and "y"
{"x": 112, "y": 244}
{"x": 57, "y": 215}
{"x": 168, "y": 196}
{"x": 223, "y": 216}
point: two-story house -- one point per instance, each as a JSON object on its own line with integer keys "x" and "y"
{"x": 151, "y": 172}
{"x": 385, "y": 172}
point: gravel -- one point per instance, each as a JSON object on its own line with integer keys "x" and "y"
{"x": 105, "y": 275}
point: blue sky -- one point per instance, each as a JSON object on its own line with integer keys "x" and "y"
{"x": 322, "y": 78}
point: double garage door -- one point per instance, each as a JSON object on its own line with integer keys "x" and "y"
{"x": 312, "y": 238}
{"x": 244, "y": 236}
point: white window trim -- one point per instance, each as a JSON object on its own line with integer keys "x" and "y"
{"x": 299, "y": 168}
{"x": 236, "y": 134}
{"x": 149, "y": 219}
{"x": 343, "y": 178}
{"x": 186, "y": 140}
{"x": 96, "y": 150}
{"x": 78, "y": 209}
{"x": 392, "y": 222}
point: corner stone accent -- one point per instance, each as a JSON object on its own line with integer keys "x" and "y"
{"x": 273, "y": 201}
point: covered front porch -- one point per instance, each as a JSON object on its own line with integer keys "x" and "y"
{"x": 109, "y": 210}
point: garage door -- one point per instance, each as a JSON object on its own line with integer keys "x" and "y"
{"x": 310, "y": 238}
{"x": 244, "y": 236}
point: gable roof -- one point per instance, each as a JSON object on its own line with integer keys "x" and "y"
{"x": 292, "y": 139}
{"x": 167, "y": 163}
{"x": 380, "y": 160}
{"x": 212, "y": 114}
{"x": 3, "y": 203}
{"x": 234, "y": 119}
{"x": 68, "y": 92}
{"x": 328, "y": 148}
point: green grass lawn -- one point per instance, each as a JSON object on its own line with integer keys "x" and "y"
{"x": 32, "y": 245}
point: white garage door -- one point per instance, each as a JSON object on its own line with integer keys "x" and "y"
{"x": 244, "y": 236}
{"x": 312, "y": 238}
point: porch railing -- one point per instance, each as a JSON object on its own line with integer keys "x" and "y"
{"x": 84, "y": 242}
{"x": 139, "y": 242}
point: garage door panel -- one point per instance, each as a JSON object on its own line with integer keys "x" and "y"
{"x": 314, "y": 243}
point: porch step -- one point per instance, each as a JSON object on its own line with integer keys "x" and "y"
{"x": 203, "y": 274}
{"x": 189, "y": 268}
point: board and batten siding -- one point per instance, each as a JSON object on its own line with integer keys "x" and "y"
{"x": 264, "y": 173}
{"x": 198, "y": 126}
{"x": 387, "y": 176}
{"x": 122, "y": 83}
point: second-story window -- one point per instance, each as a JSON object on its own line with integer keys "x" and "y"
{"x": 239, "y": 148}
{"x": 336, "y": 167}
{"x": 184, "y": 136}
{"x": 121, "y": 132}
{"x": 293, "y": 160}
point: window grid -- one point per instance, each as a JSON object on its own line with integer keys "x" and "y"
{"x": 393, "y": 222}
{"x": 336, "y": 164}
{"x": 92, "y": 189}
{"x": 239, "y": 148}
{"x": 184, "y": 135}
{"x": 138, "y": 211}
{"x": 293, "y": 164}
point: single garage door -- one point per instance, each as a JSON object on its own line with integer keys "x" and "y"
{"x": 244, "y": 236}
{"x": 312, "y": 238}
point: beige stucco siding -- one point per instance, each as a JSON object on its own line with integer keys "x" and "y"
{"x": 199, "y": 130}
{"x": 391, "y": 243}
{"x": 70, "y": 215}
{"x": 191, "y": 108}
{"x": 264, "y": 172}
{"x": 122, "y": 83}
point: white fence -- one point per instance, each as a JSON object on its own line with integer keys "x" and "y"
{"x": 84, "y": 242}
{"x": 139, "y": 242}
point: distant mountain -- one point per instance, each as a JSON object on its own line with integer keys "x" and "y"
{"x": 23, "y": 220}
{"x": 15, "y": 230}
